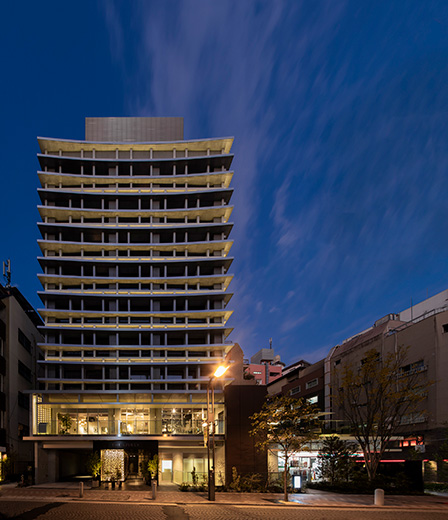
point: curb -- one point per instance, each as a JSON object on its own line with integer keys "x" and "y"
{"x": 282, "y": 504}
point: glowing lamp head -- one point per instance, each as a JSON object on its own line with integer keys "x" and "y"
{"x": 220, "y": 371}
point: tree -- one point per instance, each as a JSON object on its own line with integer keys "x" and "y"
{"x": 377, "y": 398}
{"x": 287, "y": 424}
{"x": 153, "y": 467}
{"x": 336, "y": 459}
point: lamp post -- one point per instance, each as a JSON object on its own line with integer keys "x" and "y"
{"x": 220, "y": 371}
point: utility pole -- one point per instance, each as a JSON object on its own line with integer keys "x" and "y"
{"x": 7, "y": 273}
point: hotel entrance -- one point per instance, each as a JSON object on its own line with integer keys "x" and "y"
{"x": 124, "y": 460}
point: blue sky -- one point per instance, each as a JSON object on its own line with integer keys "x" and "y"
{"x": 339, "y": 112}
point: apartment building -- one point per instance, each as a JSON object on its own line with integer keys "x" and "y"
{"x": 423, "y": 331}
{"x": 301, "y": 380}
{"x": 264, "y": 366}
{"x": 135, "y": 274}
{"x": 18, "y": 355}
{"x": 422, "y": 439}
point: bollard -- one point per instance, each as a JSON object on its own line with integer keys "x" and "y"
{"x": 81, "y": 489}
{"x": 379, "y": 497}
{"x": 154, "y": 489}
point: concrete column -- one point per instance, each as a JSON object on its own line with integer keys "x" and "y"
{"x": 178, "y": 467}
{"x": 156, "y": 422}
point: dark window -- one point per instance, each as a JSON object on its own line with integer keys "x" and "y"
{"x": 312, "y": 383}
{"x": 24, "y": 401}
{"x": 2, "y": 329}
{"x": 24, "y": 371}
{"x": 23, "y": 431}
{"x": 413, "y": 368}
{"x": 128, "y": 353}
{"x": 445, "y": 327}
{"x": 376, "y": 358}
{"x": 24, "y": 341}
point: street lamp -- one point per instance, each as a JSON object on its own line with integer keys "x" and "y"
{"x": 220, "y": 371}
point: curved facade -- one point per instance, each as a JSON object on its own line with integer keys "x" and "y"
{"x": 135, "y": 274}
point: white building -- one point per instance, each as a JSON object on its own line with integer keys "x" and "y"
{"x": 135, "y": 274}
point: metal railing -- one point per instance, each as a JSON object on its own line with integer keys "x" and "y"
{"x": 123, "y": 428}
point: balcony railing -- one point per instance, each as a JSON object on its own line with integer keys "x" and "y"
{"x": 124, "y": 428}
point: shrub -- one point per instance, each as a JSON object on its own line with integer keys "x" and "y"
{"x": 436, "y": 486}
{"x": 252, "y": 482}
{"x": 153, "y": 467}
{"x": 93, "y": 464}
{"x": 235, "y": 485}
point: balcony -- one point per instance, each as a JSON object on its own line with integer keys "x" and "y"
{"x": 73, "y": 425}
{"x": 199, "y": 180}
{"x": 205, "y": 213}
{"x": 203, "y": 249}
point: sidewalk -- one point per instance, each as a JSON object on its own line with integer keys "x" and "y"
{"x": 63, "y": 492}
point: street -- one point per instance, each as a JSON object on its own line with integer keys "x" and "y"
{"x": 31, "y": 510}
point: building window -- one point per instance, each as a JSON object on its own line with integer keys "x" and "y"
{"x": 24, "y": 371}
{"x": 313, "y": 400}
{"x": 445, "y": 327}
{"x": 413, "y": 368}
{"x": 257, "y": 373}
{"x": 258, "y": 381}
{"x": 24, "y": 341}
{"x": 413, "y": 418}
{"x": 312, "y": 383}
{"x": 411, "y": 441}
{"x": 295, "y": 390}
{"x": 375, "y": 358}
{"x": 23, "y": 431}
{"x": 24, "y": 401}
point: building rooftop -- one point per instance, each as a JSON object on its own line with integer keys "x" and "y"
{"x": 6, "y": 292}
{"x": 134, "y": 129}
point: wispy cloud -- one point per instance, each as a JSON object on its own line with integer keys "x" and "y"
{"x": 114, "y": 24}
{"x": 340, "y": 148}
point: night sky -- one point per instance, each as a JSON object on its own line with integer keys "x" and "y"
{"x": 339, "y": 112}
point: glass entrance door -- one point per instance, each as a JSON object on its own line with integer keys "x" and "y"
{"x": 167, "y": 470}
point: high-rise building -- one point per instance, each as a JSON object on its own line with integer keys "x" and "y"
{"x": 135, "y": 274}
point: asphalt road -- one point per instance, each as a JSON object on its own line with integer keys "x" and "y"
{"x": 31, "y": 510}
